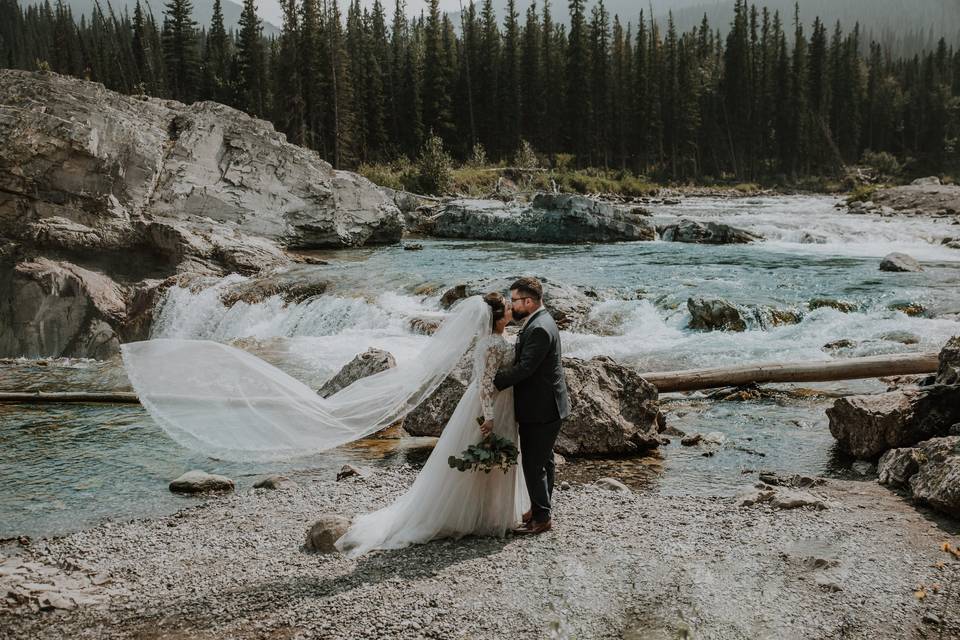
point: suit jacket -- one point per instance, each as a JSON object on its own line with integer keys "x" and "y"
{"x": 539, "y": 386}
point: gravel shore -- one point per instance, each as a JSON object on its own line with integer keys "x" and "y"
{"x": 618, "y": 564}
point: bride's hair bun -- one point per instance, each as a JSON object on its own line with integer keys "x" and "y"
{"x": 498, "y": 305}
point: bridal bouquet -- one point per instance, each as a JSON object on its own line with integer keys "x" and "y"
{"x": 493, "y": 452}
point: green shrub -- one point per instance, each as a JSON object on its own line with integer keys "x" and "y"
{"x": 884, "y": 162}
{"x": 563, "y": 161}
{"x": 862, "y": 193}
{"x": 478, "y": 156}
{"x": 435, "y": 167}
{"x": 525, "y": 157}
{"x": 382, "y": 175}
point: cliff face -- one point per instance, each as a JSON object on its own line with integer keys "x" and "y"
{"x": 140, "y": 189}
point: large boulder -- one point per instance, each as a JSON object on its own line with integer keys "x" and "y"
{"x": 92, "y": 177}
{"x": 58, "y": 309}
{"x": 949, "y": 370}
{"x": 899, "y": 262}
{"x": 613, "y": 410}
{"x": 709, "y": 232}
{"x": 716, "y": 314}
{"x": 931, "y": 472}
{"x": 867, "y": 426}
{"x": 84, "y": 165}
{"x": 363, "y": 365}
{"x": 937, "y": 482}
{"x": 567, "y": 304}
{"x": 432, "y": 414}
{"x": 549, "y": 218}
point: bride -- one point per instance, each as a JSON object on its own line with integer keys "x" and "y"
{"x": 232, "y": 405}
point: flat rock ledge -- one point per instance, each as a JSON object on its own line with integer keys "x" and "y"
{"x": 549, "y": 218}
{"x": 693, "y": 231}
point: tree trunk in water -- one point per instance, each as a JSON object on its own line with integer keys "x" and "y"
{"x": 848, "y": 369}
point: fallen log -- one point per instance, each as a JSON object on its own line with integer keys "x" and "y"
{"x": 69, "y": 396}
{"x": 666, "y": 381}
{"x": 817, "y": 371}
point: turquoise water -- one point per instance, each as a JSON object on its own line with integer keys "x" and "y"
{"x": 68, "y": 466}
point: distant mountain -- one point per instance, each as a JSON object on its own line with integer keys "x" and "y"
{"x": 202, "y": 11}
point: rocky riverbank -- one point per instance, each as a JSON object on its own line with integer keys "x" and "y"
{"x": 924, "y": 196}
{"x": 618, "y": 565}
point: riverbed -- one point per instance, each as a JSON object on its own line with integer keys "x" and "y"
{"x": 72, "y": 467}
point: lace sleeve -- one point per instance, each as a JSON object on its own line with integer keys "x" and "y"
{"x": 487, "y": 372}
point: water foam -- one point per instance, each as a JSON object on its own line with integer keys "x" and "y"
{"x": 654, "y": 339}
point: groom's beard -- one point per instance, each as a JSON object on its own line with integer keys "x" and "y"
{"x": 519, "y": 315}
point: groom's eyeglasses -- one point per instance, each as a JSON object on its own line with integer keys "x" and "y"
{"x": 513, "y": 300}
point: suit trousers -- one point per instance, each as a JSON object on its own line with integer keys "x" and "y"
{"x": 536, "y": 453}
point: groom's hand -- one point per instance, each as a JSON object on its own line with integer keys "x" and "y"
{"x": 486, "y": 428}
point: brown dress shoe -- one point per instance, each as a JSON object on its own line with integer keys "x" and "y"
{"x": 534, "y": 528}
{"x": 540, "y": 527}
{"x": 527, "y": 516}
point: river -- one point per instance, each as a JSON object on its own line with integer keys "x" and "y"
{"x": 65, "y": 467}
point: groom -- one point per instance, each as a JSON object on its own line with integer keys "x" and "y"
{"x": 539, "y": 396}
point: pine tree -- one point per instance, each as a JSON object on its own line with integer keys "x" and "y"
{"x": 250, "y": 81}
{"x": 180, "y": 50}
{"x": 313, "y": 79}
{"x": 599, "y": 86}
{"x": 488, "y": 89}
{"x": 531, "y": 88}
{"x": 577, "y": 117}
{"x": 376, "y": 51}
{"x": 216, "y": 58}
{"x": 509, "y": 83}
{"x": 437, "y": 116}
{"x": 288, "y": 81}
{"x": 797, "y": 111}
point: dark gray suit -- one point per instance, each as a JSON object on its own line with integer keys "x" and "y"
{"x": 540, "y": 402}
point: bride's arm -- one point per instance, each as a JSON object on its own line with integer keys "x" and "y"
{"x": 491, "y": 361}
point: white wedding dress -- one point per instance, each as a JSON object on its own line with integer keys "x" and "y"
{"x": 229, "y": 404}
{"x": 444, "y": 502}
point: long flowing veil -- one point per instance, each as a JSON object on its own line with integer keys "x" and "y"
{"x": 227, "y": 403}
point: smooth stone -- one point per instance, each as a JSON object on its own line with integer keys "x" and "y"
{"x": 325, "y": 532}
{"x": 276, "y": 482}
{"x": 899, "y": 262}
{"x": 197, "y": 481}
{"x": 612, "y": 484}
{"x": 366, "y": 364}
{"x": 350, "y": 471}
